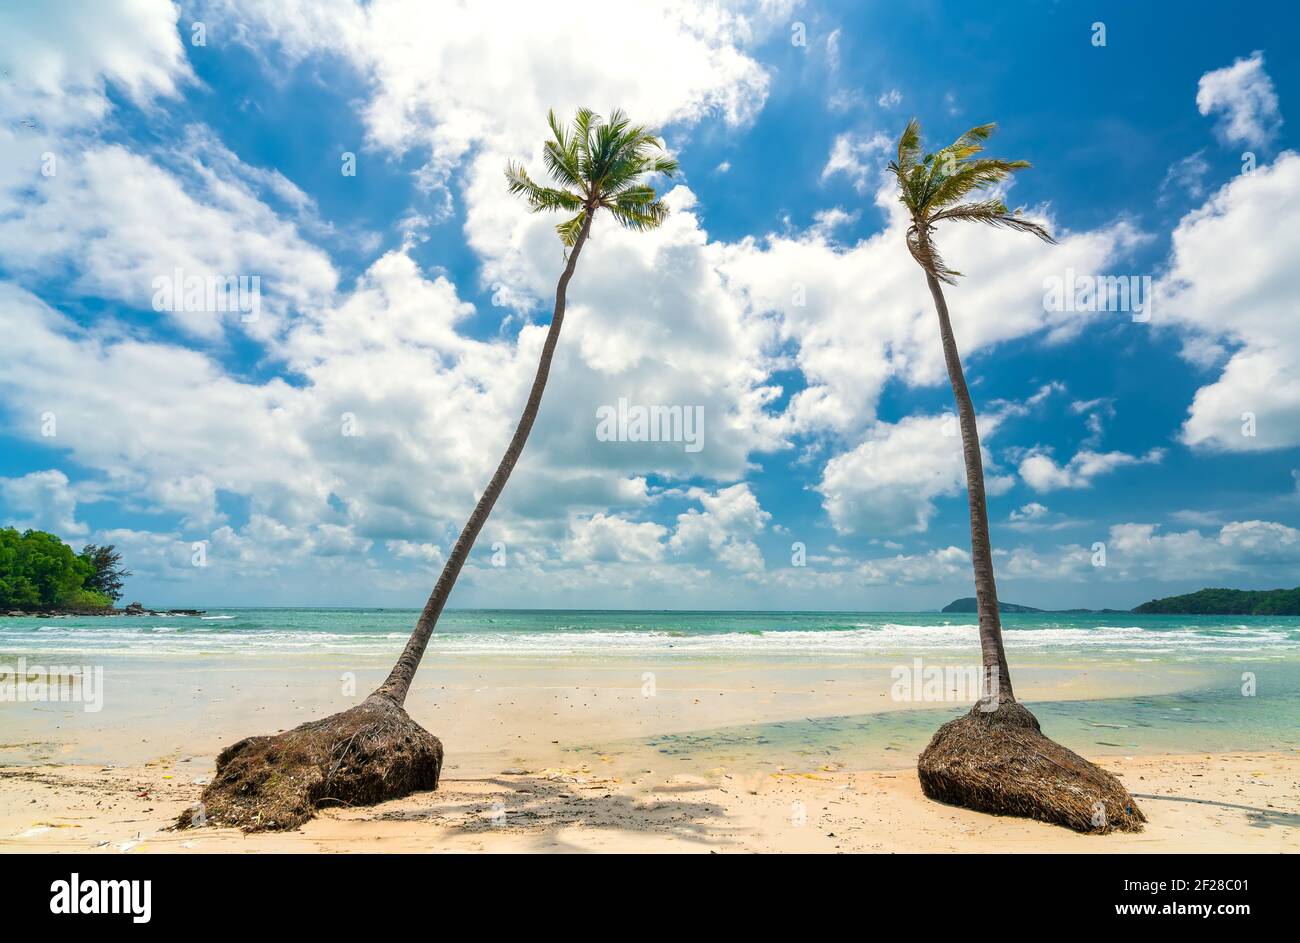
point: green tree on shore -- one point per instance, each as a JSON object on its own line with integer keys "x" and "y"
{"x": 107, "y": 573}
{"x": 39, "y": 571}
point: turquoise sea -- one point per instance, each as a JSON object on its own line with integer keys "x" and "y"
{"x": 614, "y": 633}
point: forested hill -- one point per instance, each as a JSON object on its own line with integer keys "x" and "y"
{"x": 1228, "y": 602}
{"x": 40, "y": 573}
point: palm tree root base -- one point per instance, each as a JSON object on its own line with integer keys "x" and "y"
{"x": 366, "y": 754}
{"x": 999, "y": 762}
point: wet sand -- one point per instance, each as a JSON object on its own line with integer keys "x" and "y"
{"x": 553, "y": 756}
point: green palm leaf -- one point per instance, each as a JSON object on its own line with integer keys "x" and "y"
{"x": 934, "y": 188}
{"x": 597, "y": 164}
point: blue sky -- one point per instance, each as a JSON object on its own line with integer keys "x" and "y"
{"x": 327, "y": 452}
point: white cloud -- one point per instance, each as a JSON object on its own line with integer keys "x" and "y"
{"x": 889, "y": 483}
{"x": 1242, "y": 95}
{"x": 1042, "y": 473}
{"x": 1188, "y": 175}
{"x": 447, "y": 79}
{"x": 890, "y": 98}
{"x": 860, "y": 316}
{"x": 1032, "y": 511}
{"x": 1239, "y": 546}
{"x": 857, "y": 157}
{"x": 123, "y": 221}
{"x": 724, "y": 529}
{"x": 415, "y": 550}
{"x": 833, "y": 50}
{"x": 1034, "y": 517}
{"x": 117, "y": 219}
{"x": 604, "y": 538}
{"x": 1254, "y": 550}
{"x": 1230, "y": 289}
{"x": 60, "y": 57}
{"x": 936, "y": 566}
{"x": 826, "y": 222}
{"x": 48, "y": 500}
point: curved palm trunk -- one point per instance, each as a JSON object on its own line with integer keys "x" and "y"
{"x": 399, "y": 679}
{"x": 996, "y": 676}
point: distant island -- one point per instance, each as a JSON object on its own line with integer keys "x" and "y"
{"x": 1228, "y": 602}
{"x": 968, "y": 604}
{"x": 1205, "y": 602}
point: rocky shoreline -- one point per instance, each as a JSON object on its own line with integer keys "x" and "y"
{"x": 131, "y": 609}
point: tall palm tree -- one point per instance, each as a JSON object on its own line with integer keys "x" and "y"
{"x": 595, "y": 164}
{"x": 995, "y": 758}
{"x": 374, "y": 751}
{"x": 935, "y": 188}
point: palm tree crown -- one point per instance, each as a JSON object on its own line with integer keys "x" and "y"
{"x": 598, "y": 164}
{"x": 933, "y": 187}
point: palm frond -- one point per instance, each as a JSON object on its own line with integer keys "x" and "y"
{"x": 934, "y": 186}
{"x": 927, "y": 256}
{"x": 539, "y": 197}
{"x": 639, "y": 217}
{"x": 582, "y": 125}
{"x": 975, "y": 137}
{"x": 560, "y": 154}
{"x": 909, "y": 147}
{"x": 570, "y": 228}
{"x": 994, "y": 213}
{"x": 598, "y": 164}
{"x": 968, "y": 176}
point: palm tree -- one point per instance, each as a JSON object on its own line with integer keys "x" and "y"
{"x": 934, "y": 188}
{"x": 995, "y": 758}
{"x": 597, "y": 165}
{"x": 374, "y": 751}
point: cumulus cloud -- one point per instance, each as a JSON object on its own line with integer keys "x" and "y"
{"x": 123, "y": 222}
{"x": 1243, "y": 98}
{"x": 415, "y": 550}
{"x": 936, "y": 566}
{"x": 1229, "y": 290}
{"x": 858, "y": 317}
{"x": 724, "y": 529}
{"x": 604, "y": 537}
{"x": 447, "y": 79}
{"x": 1041, "y": 472}
{"x": 46, "y": 498}
{"x": 1254, "y": 550}
{"x": 1034, "y": 516}
{"x": 889, "y": 483}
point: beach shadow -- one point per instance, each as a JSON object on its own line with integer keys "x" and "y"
{"x": 1257, "y": 817}
{"x": 545, "y": 807}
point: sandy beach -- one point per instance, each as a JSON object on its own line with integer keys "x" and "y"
{"x": 563, "y": 754}
{"x": 1204, "y": 803}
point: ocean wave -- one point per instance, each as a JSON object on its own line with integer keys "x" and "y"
{"x": 863, "y": 639}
